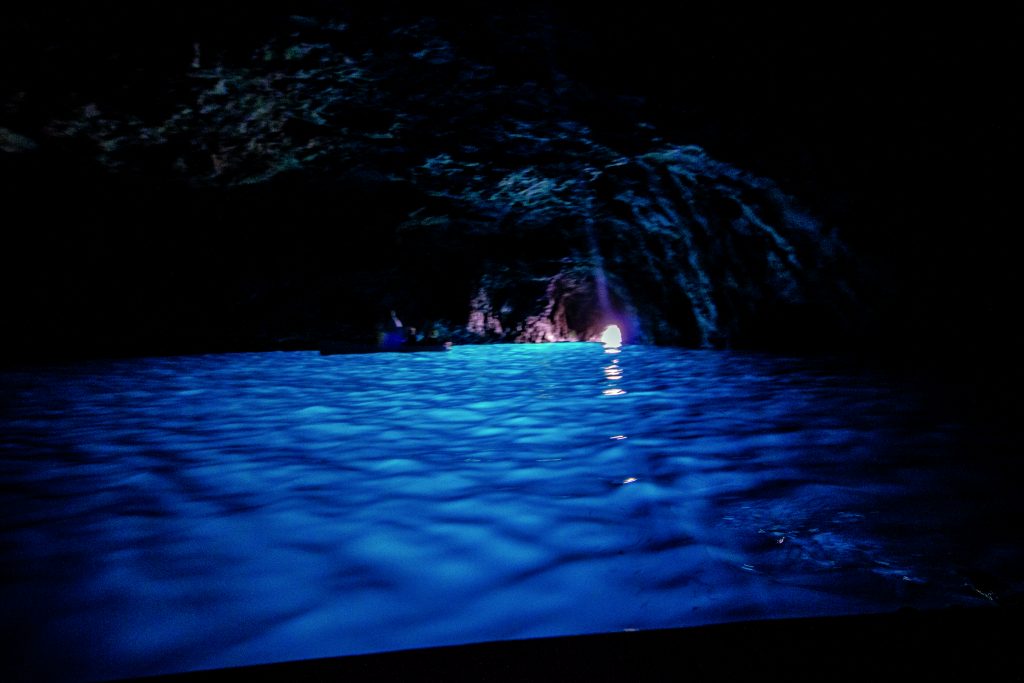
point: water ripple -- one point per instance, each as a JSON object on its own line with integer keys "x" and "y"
{"x": 231, "y": 509}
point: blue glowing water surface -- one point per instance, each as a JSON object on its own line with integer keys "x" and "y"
{"x": 169, "y": 514}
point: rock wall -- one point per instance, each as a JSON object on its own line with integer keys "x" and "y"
{"x": 340, "y": 167}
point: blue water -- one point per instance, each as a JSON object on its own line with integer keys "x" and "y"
{"x": 171, "y": 514}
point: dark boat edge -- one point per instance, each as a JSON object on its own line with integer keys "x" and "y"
{"x": 978, "y": 642}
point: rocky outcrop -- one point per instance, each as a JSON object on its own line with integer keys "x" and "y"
{"x": 484, "y": 322}
{"x": 672, "y": 245}
{"x": 725, "y": 256}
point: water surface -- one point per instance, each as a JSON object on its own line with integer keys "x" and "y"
{"x": 170, "y": 514}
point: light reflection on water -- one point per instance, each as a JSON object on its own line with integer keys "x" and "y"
{"x": 176, "y": 513}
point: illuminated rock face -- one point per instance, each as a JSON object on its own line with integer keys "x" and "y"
{"x": 567, "y": 310}
{"x": 483, "y": 320}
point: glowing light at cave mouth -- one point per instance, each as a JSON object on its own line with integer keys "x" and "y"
{"x": 611, "y": 337}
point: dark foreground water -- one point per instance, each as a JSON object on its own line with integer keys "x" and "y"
{"x": 170, "y": 514}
